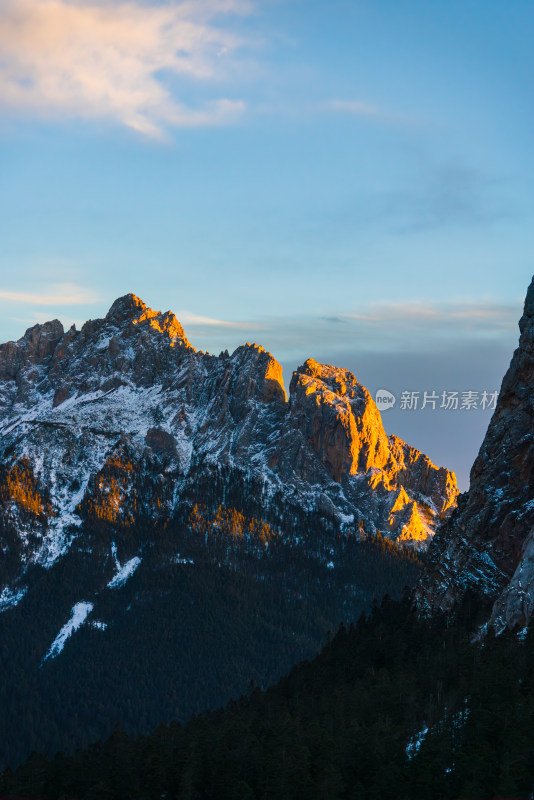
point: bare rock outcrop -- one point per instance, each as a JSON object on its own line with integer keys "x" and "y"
{"x": 339, "y": 420}
{"x": 20, "y": 361}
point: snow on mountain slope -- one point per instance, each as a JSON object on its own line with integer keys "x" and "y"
{"x": 9, "y": 599}
{"x": 79, "y": 614}
{"x": 124, "y": 419}
{"x": 124, "y": 572}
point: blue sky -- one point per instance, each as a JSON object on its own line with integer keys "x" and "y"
{"x": 346, "y": 180}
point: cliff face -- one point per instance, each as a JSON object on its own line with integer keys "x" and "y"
{"x": 125, "y": 418}
{"x": 339, "y": 421}
{"x": 488, "y": 544}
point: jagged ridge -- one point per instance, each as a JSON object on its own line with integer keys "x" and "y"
{"x": 130, "y": 388}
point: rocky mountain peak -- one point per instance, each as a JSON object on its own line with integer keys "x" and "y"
{"x": 343, "y": 426}
{"x": 339, "y": 380}
{"x": 126, "y": 309}
{"x": 263, "y": 371}
{"x": 30, "y": 352}
{"x": 37, "y": 335}
{"x": 488, "y": 544}
{"x": 341, "y": 419}
{"x": 131, "y": 310}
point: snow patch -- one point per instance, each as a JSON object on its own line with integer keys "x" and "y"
{"x": 415, "y": 742}
{"x": 99, "y": 625}
{"x": 9, "y": 599}
{"x": 125, "y": 572}
{"x": 178, "y": 559}
{"x": 70, "y": 401}
{"x": 78, "y": 616}
{"x": 60, "y": 535}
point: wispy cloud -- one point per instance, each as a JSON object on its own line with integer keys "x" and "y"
{"x": 370, "y": 111}
{"x": 437, "y": 319}
{"x": 372, "y": 329}
{"x": 188, "y": 319}
{"x": 61, "y": 294}
{"x": 89, "y": 59}
{"x": 356, "y": 107}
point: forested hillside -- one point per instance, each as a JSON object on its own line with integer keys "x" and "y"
{"x": 218, "y": 600}
{"x": 393, "y": 707}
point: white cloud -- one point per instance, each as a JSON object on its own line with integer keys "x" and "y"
{"x": 94, "y": 60}
{"x": 60, "y": 294}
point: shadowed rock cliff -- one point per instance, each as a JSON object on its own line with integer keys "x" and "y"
{"x": 487, "y": 546}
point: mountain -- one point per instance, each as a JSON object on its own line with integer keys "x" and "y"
{"x": 173, "y": 528}
{"x": 406, "y": 703}
{"x": 124, "y": 419}
{"x": 487, "y": 546}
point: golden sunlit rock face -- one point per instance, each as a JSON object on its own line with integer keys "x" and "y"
{"x": 116, "y": 495}
{"x": 341, "y": 422}
{"x": 411, "y": 520}
{"x": 273, "y": 386}
{"x": 340, "y": 419}
{"x": 137, "y": 312}
{"x": 416, "y": 471}
{"x": 164, "y": 323}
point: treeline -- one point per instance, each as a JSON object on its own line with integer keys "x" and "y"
{"x": 393, "y": 708}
